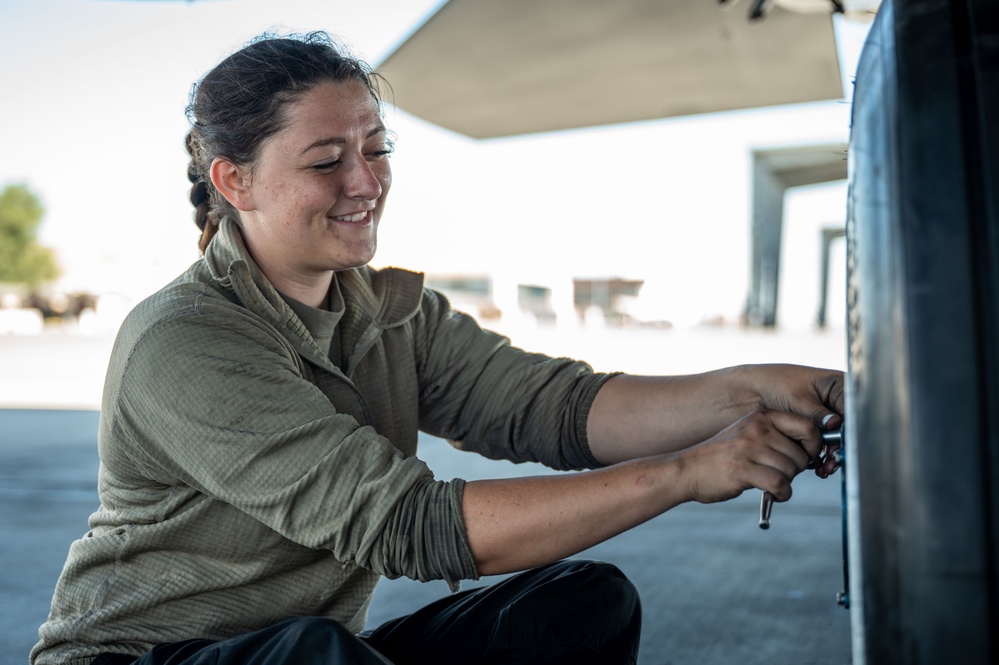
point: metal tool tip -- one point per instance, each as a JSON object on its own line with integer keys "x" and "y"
{"x": 766, "y": 505}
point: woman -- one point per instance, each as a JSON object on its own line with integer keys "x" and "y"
{"x": 260, "y": 417}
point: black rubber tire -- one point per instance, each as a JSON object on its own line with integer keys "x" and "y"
{"x": 922, "y": 428}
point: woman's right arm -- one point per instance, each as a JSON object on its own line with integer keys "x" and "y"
{"x": 524, "y": 522}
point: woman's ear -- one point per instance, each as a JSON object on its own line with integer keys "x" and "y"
{"x": 233, "y": 183}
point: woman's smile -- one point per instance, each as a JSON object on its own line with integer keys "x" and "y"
{"x": 354, "y": 218}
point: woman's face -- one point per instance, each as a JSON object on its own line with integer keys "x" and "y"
{"x": 318, "y": 187}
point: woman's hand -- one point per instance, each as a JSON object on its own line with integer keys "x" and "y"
{"x": 640, "y": 416}
{"x": 763, "y": 449}
{"x": 817, "y": 394}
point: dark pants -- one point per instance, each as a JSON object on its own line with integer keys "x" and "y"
{"x": 569, "y": 612}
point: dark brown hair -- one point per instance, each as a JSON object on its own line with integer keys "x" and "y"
{"x": 242, "y": 101}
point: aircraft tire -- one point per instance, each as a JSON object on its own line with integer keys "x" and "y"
{"x": 922, "y": 425}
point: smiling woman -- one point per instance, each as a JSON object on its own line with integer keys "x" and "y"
{"x": 260, "y": 415}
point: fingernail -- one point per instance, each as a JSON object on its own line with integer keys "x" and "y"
{"x": 825, "y": 421}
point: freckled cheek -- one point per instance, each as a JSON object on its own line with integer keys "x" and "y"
{"x": 281, "y": 196}
{"x": 301, "y": 204}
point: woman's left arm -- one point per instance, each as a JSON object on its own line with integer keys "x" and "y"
{"x": 638, "y": 416}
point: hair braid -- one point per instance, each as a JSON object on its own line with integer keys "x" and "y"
{"x": 201, "y": 190}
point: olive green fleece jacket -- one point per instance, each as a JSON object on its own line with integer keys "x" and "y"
{"x": 245, "y": 479}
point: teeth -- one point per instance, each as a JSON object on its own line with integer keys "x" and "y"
{"x": 356, "y": 217}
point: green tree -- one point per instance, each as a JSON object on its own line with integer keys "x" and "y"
{"x": 22, "y": 259}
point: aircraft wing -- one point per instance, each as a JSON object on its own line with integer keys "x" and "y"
{"x": 489, "y": 69}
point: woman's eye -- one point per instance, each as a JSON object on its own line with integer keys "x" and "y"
{"x": 383, "y": 149}
{"x": 326, "y": 166}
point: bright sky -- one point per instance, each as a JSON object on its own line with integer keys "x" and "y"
{"x": 93, "y": 121}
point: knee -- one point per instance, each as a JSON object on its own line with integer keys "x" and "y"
{"x": 590, "y": 593}
{"x": 308, "y": 637}
{"x": 303, "y": 627}
{"x": 312, "y": 624}
{"x": 607, "y": 586}
{"x": 601, "y": 582}
{"x": 593, "y": 603}
{"x": 613, "y": 578}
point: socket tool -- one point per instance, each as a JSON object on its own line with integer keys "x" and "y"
{"x": 829, "y": 437}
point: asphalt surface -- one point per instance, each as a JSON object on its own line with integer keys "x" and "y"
{"x": 716, "y": 590}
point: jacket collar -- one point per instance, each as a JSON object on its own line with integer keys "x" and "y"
{"x": 388, "y": 298}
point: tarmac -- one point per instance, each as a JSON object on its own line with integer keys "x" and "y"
{"x": 715, "y": 588}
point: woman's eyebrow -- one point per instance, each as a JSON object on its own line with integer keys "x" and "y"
{"x": 339, "y": 140}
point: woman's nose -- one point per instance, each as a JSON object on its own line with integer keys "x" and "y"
{"x": 361, "y": 181}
